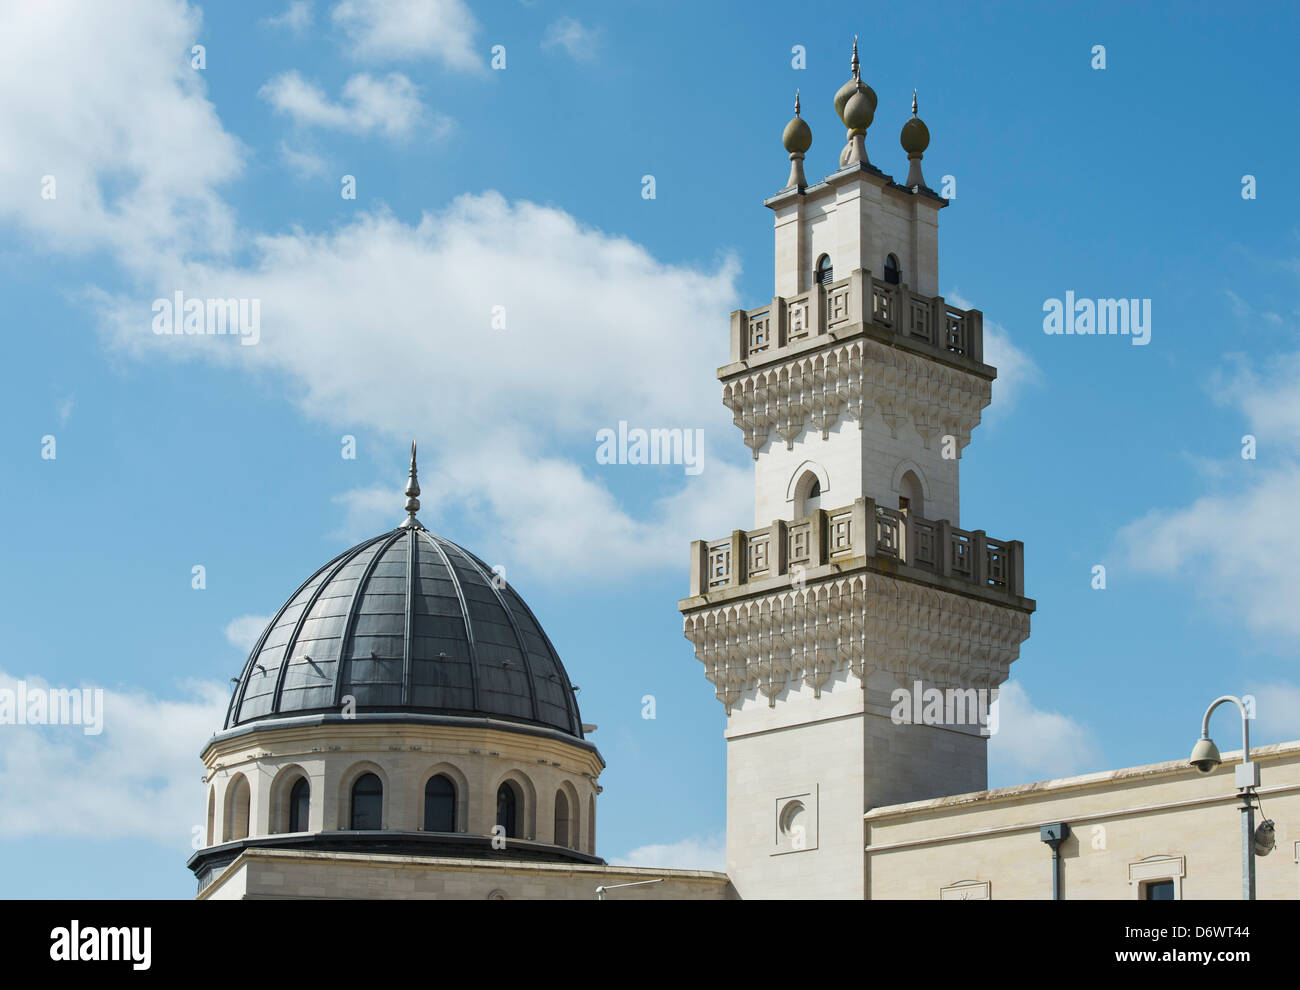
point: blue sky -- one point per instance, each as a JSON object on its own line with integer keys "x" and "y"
{"x": 522, "y": 188}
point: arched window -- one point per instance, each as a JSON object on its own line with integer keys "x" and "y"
{"x": 507, "y": 809}
{"x": 439, "y": 805}
{"x": 892, "y": 272}
{"x": 808, "y": 495}
{"x": 910, "y": 494}
{"x": 300, "y": 806}
{"x": 212, "y": 813}
{"x": 561, "y": 819}
{"x": 367, "y": 802}
{"x": 825, "y": 274}
{"x": 237, "y": 799}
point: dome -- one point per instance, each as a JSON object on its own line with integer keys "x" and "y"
{"x": 915, "y": 136}
{"x": 853, "y": 87}
{"x": 797, "y": 137}
{"x": 858, "y": 113}
{"x": 406, "y": 623}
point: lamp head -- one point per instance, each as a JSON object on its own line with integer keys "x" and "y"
{"x": 1205, "y": 755}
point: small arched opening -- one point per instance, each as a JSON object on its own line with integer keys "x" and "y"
{"x": 509, "y": 802}
{"x": 893, "y": 274}
{"x": 910, "y": 494}
{"x": 808, "y": 495}
{"x": 825, "y": 274}
{"x": 439, "y": 804}
{"x": 238, "y": 797}
{"x": 562, "y": 823}
{"x": 300, "y": 806}
{"x": 367, "y": 803}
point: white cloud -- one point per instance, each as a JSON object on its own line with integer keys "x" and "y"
{"x": 112, "y": 110}
{"x": 407, "y": 29}
{"x": 1034, "y": 744}
{"x": 139, "y": 778}
{"x": 1016, "y": 369}
{"x": 64, "y": 410}
{"x": 389, "y": 326}
{"x": 707, "y": 853}
{"x": 572, "y": 37}
{"x": 297, "y": 18}
{"x": 1270, "y": 400}
{"x": 368, "y": 511}
{"x": 383, "y": 324}
{"x": 389, "y": 106}
{"x": 303, "y": 163}
{"x": 1234, "y": 548}
{"x": 1245, "y": 313}
{"x": 242, "y": 631}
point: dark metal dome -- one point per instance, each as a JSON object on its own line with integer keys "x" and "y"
{"x": 406, "y": 622}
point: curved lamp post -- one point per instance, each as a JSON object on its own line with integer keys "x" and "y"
{"x": 1205, "y": 757}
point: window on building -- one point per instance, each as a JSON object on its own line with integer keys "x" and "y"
{"x": 892, "y": 272}
{"x": 300, "y": 806}
{"x": 1158, "y": 890}
{"x": 561, "y": 819}
{"x": 808, "y": 495}
{"x": 439, "y": 805}
{"x": 508, "y": 810}
{"x": 238, "y": 796}
{"x": 825, "y": 274}
{"x": 367, "y": 802}
{"x": 910, "y": 495}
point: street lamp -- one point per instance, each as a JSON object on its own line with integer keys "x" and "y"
{"x": 1205, "y": 757}
{"x": 600, "y": 891}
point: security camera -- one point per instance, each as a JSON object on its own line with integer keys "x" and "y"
{"x": 1265, "y": 838}
{"x": 1205, "y": 755}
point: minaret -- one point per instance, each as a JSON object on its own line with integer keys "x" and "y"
{"x": 856, "y": 389}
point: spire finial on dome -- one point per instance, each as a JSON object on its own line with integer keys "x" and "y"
{"x": 797, "y": 139}
{"x": 913, "y": 103}
{"x": 412, "y": 493}
{"x": 854, "y": 63}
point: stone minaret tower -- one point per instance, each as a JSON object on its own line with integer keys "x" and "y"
{"x": 856, "y": 388}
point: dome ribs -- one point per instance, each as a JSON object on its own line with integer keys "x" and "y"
{"x": 464, "y": 614}
{"x": 350, "y": 627}
{"x": 496, "y": 592}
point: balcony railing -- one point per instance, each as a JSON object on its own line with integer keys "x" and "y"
{"x": 923, "y": 323}
{"x": 863, "y": 529}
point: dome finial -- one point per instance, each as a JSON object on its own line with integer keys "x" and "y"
{"x": 797, "y": 139}
{"x": 856, "y": 105}
{"x": 915, "y": 138}
{"x": 412, "y": 497}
